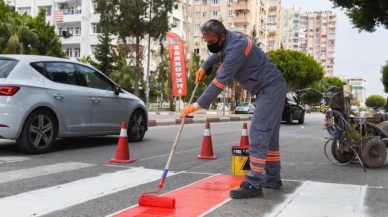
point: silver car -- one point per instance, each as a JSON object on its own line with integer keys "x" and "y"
{"x": 43, "y": 98}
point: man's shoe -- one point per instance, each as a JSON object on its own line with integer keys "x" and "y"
{"x": 246, "y": 190}
{"x": 273, "y": 185}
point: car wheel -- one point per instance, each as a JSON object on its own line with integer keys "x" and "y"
{"x": 290, "y": 119}
{"x": 38, "y": 133}
{"x": 301, "y": 120}
{"x": 136, "y": 126}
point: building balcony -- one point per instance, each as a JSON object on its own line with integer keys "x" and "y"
{"x": 242, "y": 6}
{"x": 66, "y": 16}
{"x": 244, "y": 31}
{"x": 71, "y": 40}
{"x": 242, "y": 19}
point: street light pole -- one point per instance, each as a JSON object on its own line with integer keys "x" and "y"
{"x": 148, "y": 66}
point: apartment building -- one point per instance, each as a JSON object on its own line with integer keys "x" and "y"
{"x": 274, "y": 25}
{"x": 237, "y": 15}
{"x": 359, "y": 86}
{"x": 313, "y": 33}
{"x": 77, "y": 26}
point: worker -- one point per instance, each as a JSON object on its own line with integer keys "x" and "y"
{"x": 243, "y": 61}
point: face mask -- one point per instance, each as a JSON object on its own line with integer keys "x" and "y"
{"x": 215, "y": 48}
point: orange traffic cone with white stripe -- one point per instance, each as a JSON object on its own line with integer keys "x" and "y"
{"x": 122, "y": 151}
{"x": 244, "y": 141}
{"x": 207, "y": 146}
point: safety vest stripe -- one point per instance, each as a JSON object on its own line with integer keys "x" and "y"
{"x": 218, "y": 84}
{"x": 273, "y": 152}
{"x": 256, "y": 169}
{"x": 257, "y": 160}
{"x": 273, "y": 159}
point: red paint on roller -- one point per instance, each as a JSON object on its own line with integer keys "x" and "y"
{"x": 192, "y": 200}
{"x": 155, "y": 201}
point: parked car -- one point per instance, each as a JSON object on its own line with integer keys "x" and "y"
{"x": 244, "y": 108}
{"x": 293, "y": 110}
{"x": 43, "y": 98}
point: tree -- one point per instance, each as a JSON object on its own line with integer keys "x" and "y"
{"x": 18, "y": 34}
{"x": 85, "y": 59}
{"x": 49, "y": 43}
{"x": 254, "y": 37}
{"x": 299, "y": 69}
{"x": 365, "y": 14}
{"x": 133, "y": 22}
{"x": 384, "y": 77}
{"x": 313, "y": 97}
{"x": 123, "y": 74}
{"x": 104, "y": 52}
{"x": 375, "y": 102}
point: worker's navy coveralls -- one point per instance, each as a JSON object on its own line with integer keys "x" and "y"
{"x": 244, "y": 62}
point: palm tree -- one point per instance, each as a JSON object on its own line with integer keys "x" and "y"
{"x": 85, "y": 59}
{"x": 124, "y": 74}
{"x": 18, "y": 34}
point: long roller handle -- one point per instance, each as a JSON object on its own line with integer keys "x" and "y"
{"x": 175, "y": 143}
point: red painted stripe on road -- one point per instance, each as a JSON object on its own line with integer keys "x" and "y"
{"x": 234, "y": 118}
{"x": 152, "y": 123}
{"x": 213, "y": 120}
{"x": 192, "y": 200}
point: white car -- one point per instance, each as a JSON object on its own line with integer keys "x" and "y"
{"x": 43, "y": 98}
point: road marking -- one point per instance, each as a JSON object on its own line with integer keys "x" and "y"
{"x": 192, "y": 200}
{"x": 16, "y": 175}
{"x": 323, "y": 199}
{"x": 44, "y": 201}
{"x": 7, "y": 159}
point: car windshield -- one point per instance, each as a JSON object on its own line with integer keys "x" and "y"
{"x": 243, "y": 104}
{"x": 6, "y": 66}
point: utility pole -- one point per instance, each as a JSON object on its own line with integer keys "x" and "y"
{"x": 148, "y": 66}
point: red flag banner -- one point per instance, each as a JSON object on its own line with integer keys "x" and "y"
{"x": 177, "y": 64}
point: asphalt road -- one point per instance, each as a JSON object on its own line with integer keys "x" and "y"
{"x": 70, "y": 181}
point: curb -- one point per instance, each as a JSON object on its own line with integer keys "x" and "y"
{"x": 167, "y": 122}
{"x": 198, "y": 113}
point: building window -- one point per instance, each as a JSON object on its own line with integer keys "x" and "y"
{"x": 230, "y": 13}
{"x": 77, "y": 31}
{"x": 204, "y": 14}
{"x": 48, "y": 11}
{"x": 204, "y": 2}
{"x": 96, "y": 28}
{"x": 69, "y": 52}
{"x": 76, "y": 52}
{"x": 197, "y": 14}
{"x": 196, "y": 50}
{"x": 215, "y": 2}
{"x": 215, "y": 13}
{"x": 197, "y": 26}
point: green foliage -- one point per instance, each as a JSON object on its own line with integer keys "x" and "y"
{"x": 299, "y": 69}
{"x": 18, "y": 34}
{"x": 49, "y": 43}
{"x": 85, "y": 59}
{"x": 123, "y": 75}
{"x": 255, "y": 37}
{"x": 163, "y": 72}
{"x": 384, "y": 78}
{"x": 104, "y": 52}
{"x": 375, "y": 101}
{"x": 314, "y": 97}
{"x": 131, "y": 22}
{"x": 363, "y": 109}
{"x": 27, "y": 35}
{"x": 365, "y": 14}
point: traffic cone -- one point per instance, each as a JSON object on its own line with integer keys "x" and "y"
{"x": 207, "y": 146}
{"x": 244, "y": 141}
{"x": 122, "y": 152}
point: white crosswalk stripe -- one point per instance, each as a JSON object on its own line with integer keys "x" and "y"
{"x": 309, "y": 199}
{"x": 10, "y": 159}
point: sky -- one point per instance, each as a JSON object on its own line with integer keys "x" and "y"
{"x": 356, "y": 54}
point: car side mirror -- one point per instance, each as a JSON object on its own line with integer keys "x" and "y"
{"x": 117, "y": 90}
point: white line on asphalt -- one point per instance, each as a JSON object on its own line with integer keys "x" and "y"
{"x": 11, "y": 159}
{"x": 164, "y": 194}
{"x": 47, "y": 200}
{"x": 199, "y": 173}
{"x": 327, "y": 199}
{"x": 179, "y": 152}
{"x": 114, "y": 165}
{"x": 16, "y": 175}
{"x": 216, "y": 207}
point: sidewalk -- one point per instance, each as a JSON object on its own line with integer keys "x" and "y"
{"x": 197, "y": 112}
{"x": 177, "y": 121}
